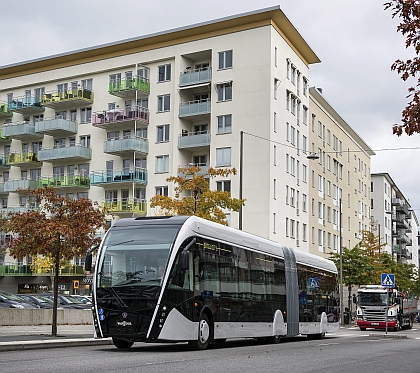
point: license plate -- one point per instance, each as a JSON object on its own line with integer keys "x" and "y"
{"x": 374, "y": 323}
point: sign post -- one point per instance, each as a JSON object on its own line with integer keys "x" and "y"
{"x": 388, "y": 281}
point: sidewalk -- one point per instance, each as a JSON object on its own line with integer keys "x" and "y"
{"x": 36, "y": 337}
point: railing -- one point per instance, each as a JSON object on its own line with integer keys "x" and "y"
{"x": 128, "y": 206}
{"x": 3, "y": 137}
{"x": 195, "y": 76}
{"x": 135, "y": 83}
{"x": 21, "y": 157}
{"x": 4, "y": 110}
{"x": 25, "y": 102}
{"x": 120, "y": 115}
{"x": 56, "y": 124}
{"x": 57, "y": 97}
{"x": 19, "y": 129}
{"x": 193, "y": 139}
{"x": 138, "y": 144}
{"x": 68, "y": 152}
{"x": 204, "y": 168}
{"x": 64, "y": 181}
{"x": 138, "y": 175}
{"x": 14, "y": 185}
{"x": 195, "y": 107}
{"x": 9, "y": 269}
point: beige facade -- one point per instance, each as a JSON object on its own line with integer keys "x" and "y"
{"x": 341, "y": 173}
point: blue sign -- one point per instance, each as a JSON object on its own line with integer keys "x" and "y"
{"x": 388, "y": 279}
{"x": 313, "y": 283}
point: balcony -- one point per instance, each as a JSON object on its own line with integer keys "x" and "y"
{"x": 195, "y": 76}
{"x": 66, "y": 154}
{"x": 204, "y": 168}
{"x": 22, "y": 158}
{"x": 126, "y": 146}
{"x": 194, "y": 108}
{"x": 24, "y": 131}
{"x": 9, "y": 269}
{"x": 14, "y": 185}
{"x": 136, "y": 176}
{"x": 56, "y": 127}
{"x": 4, "y": 139}
{"x": 69, "y": 98}
{"x": 128, "y": 87}
{"x": 69, "y": 181}
{"x": 126, "y": 207}
{"x": 400, "y": 205}
{"x": 26, "y": 105}
{"x": 15, "y": 270}
{"x": 190, "y": 140}
{"x": 4, "y": 110}
{"x": 117, "y": 118}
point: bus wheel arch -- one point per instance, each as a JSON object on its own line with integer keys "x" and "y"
{"x": 120, "y": 343}
{"x": 204, "y": 332}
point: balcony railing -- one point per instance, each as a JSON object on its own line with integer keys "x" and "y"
{"x": 129, "y": 206}
{"x": 70, "y": 153}
{"x": 138, "y": 175}
{"x": 21, "y": 131}
{"x": 9, "y": 269}
{"x": 121, "y": 146}
{"x": 14, "y": 185}
{"x": 26, "y": 104}
{"x": 4, "y": 139}
{"x": 64, "y": 181}
{"x": 108, "y": 118}
{"x": 195, "y": 76}
{"x": 126, "y": 87}
{"x": 4, "y": 110}
{"x": 197, "y": 107}
{"x": 25, "y": 157}
{"x": 193, "y": 139}
{"x": 204, "y": 168}
{"x": 67, "y": 98}
{"x": 400, "y": 205}
{"x": 56, "y": 127}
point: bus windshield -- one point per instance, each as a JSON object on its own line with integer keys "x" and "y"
{"x": 134, "y": 256}
{"x": 372, "y": 299}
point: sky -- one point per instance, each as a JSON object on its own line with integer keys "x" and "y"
{"x": 356, "y": 41}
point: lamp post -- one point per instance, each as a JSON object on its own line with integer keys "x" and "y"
{"x": 341, "y": 268}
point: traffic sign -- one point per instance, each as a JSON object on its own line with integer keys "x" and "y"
{"x": 388, "y": 279}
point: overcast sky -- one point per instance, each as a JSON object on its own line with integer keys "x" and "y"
{"x": 356, "y": 41}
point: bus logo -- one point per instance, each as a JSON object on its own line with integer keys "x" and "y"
{"x": 124, "y": 315}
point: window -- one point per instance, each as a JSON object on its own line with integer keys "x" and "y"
{"x": 84, "y": 169}
{"x": 223, "y": 156}
{"x": 161, "y": 191}
{"x": 87, "y": 84}
{"x": 287, "y": 227}
{"x": 274, "y": 155}
{"x": 162, "y": 133}
{"x": 276, "y": 86}
{"x": 304, "y": 202}
{"x": 162, "y": 163}
{"x": 274, "y": 222}
{"x": 292, "y": 135}
{"x": 114, "y": 78}
{"x": 304, "y": 232}
{"x": 85, "y": 140}
{"x": 305, "y": 86}
{"x": 304, "y": 168}
{"x": 224, "y": 92}
{"x": 225, "y": 60}
{"x": 224, "y": 123}
{"x": 275, "y": 56}
{"x": 304, "y": 149}
{"x": 164, "y": 103}
{"x": 223, "y": 186}
{"x": 85, "y": 115}
{"x": 305, "y": 115}
{"x": 275, "y": 122}
{"x": 164, "y": 73}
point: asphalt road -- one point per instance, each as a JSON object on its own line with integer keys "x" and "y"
{"x": 346, "y": 351}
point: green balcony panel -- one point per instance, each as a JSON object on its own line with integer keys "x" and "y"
{"x": 68, "y": 98}
{"x": 14, "y": 185}
{"x": 134, "y": 84}
{"x": 4, "y": 110}
{"x": 64, "y": 181}
{"x": 77, "y": 152}
{"x": 190, "y": 108}
{"x": 197, "y": 76}
{"x": 15, "y": 270}
{"x": 56, "y": 127}
{"x": 139, "y": 175}
{"x": 116, "y": 146}
{"x": 3, "y": 138}
{"x": 21, "y": 158}
{"x": 129, "y": 206}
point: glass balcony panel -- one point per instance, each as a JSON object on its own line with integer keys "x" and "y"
{"x": 196, "y": 76}
{"x": 194, "y": 139}
{"x": 3, "y": 163}
{"x": 4, "y": 110}
{"x": 125, "y": 87}
{"x": 77, "y": 152}
{"x": 21, "y": 158}
{"x": 116, "y": 146}
{"x": 128, "y": 206}
{"x": 21, "y": 131}
{"x": 138, "y": 175}
{"x": 116, "y": 117}
{"x": 204, "y": 168}
{"x": 14, "y": 185}
{"x": 15, "y": 270}
{"x": 56, "y": 127}
{"x": 67, "y": 98}
{"x": 64, "y": 181}
{"x": 26, "y": 104}
{"x": 190, "y": 108}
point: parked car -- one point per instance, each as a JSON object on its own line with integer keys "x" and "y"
{"x": 83, "y": 298}
{"x": 13, "y": 300}
{"x": 37, "y": 300}
{"x": 66, "y": 301}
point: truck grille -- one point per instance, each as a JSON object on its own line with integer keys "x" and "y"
{"x": 374, "y": 315}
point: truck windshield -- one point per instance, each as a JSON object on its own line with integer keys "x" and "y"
{"x": 372, "y": 299}
{"x": 134, "y": 256}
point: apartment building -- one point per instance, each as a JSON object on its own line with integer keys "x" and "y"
{"x": 112, "y": 122}
{"x": 397, "y": 222}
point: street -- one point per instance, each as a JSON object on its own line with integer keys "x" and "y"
{"x": 347, "y": 351}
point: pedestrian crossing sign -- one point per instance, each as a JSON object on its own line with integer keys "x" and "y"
{"x": 388, "y": 279}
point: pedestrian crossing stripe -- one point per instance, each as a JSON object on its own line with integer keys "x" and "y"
{"x": 388, "y": 279}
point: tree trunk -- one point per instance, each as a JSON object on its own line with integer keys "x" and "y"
{"x": 56, "y": 273}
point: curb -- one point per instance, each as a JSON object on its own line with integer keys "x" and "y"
{"x": 41, "y": 344}
{"x": 390, "y": 336}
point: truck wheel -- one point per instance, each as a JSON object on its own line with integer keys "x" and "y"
{"x": 397, "y": 327}
{"x": 410, "y": 323}
{"x": 362, "y": 329}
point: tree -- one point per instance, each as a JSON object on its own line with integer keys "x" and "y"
{"x": 198, "y": 199}
{"x": 408, "y": 11}
{"x": 60, "y": 229}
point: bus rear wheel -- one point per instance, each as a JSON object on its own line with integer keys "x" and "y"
{"x": 274, "y": 339}
{"x": 119, "y": 343}
{"x": 203, "y": 334}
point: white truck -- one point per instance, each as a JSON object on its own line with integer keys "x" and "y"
{"x": 371, "y": 308}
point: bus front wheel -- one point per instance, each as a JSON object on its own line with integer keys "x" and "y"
{"x": 203, "y": 334}
{"x": 119, "y": 343}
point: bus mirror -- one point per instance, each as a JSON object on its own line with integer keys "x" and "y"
{"x": 185, "y": 259}
{"x": 88, "y": 263}
{"x": 354, "y": 299}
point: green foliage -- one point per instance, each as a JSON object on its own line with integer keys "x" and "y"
{"x": 197, "y": 198}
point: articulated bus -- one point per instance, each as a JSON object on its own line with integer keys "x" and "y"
{"x": 186, "y": 279}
